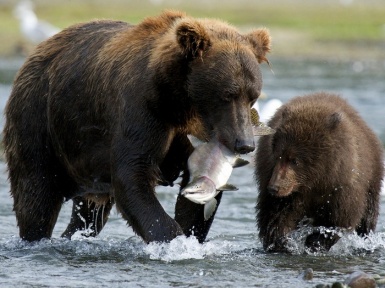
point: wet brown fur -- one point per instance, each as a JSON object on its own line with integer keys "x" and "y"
{"x": 106, "y": 107}
{"x": 323, "y": 163}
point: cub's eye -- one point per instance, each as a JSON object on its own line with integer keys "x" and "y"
{"x": 293, "y": 161}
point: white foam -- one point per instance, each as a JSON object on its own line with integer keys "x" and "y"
{"x": 182, "y": 248}
{"x": 83, "y": 235}
{"x": 351, "y": 243}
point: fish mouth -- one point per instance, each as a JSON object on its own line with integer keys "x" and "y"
{"x": 186, "y": 192}
{"x": 194, "y": 197}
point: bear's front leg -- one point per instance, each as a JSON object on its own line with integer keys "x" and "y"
{"x": 191, "y": 217}
{"x": 321, "y": 240}
{"x": 276, "y": 237}
{"x": 135, "y": 173}
{"x": 276, "y": 218}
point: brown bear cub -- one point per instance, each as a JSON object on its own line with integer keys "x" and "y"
{"x": 323, "y": 165}
{"x": 100, "y": 114}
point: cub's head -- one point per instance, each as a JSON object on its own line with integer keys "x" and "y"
{"x": 303, "y": 153}
{"x": 212, "y": 73}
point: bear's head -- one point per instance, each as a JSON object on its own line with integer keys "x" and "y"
{"x": 210, "y": 73}
{"x": 304, "y": 149}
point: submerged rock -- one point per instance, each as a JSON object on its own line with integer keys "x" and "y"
{"x": 338, "y": 285}
{"x": 381, "y": 281}
{"x": 360, "y": 279}
{"x": 306, "y": 274}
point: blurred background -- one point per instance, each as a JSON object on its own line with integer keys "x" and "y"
{"x": 300, "y": 28}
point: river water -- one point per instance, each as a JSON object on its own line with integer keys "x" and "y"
{"x": 233, "y": 255}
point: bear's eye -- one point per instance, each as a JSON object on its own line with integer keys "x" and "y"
{"x": 228, "y": 96}
{"x": 231, "y": 92}
{"x": 293, "y": 161}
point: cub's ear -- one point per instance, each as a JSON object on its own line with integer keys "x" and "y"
{"x": 282, "y": 114}
{"x": 261, "y": 42}
{"x": 192, "y": 38}
{"x": 285, "y": 112}
{"x": 334, "y": 120}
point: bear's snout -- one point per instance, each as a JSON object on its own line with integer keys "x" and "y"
{"x": 244, "y": 146}
{"x": 283, "y": 180}
{"x": 273, "y": 189}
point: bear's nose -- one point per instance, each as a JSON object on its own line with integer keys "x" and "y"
{"x": 244, "y": 147}
{"x": 273, "y": 189}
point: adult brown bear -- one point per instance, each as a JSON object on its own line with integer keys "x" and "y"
{"x": 100, "y": 113}
{"x": 323, "y": 164}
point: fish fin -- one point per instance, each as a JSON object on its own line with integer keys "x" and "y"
{"x": 227, "y": 187}
{"x": 259, "y": 128}
{"x": 262, "y": 129}
{"x": 239, "y": 162}
{"x": 209, "y": 208}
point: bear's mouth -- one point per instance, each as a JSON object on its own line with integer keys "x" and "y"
{"x": 281, "y": 191}
{"x": 236, "y": 146}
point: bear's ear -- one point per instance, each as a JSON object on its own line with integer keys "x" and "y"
{"x": 192, "y": 38}
{"x": 261, "y": 42}
{"x": 334, "y": 120}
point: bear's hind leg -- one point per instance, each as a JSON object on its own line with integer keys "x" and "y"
{"x": 87, "y": 216}
{"x": 37, "y": 198}
{"x": 36, "y": 220}
{"x": 39, "y": 183}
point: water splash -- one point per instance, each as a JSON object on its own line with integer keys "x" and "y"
{"x": 350, "y": 243}
{"x": 89, "y": 249}
{"x": 83, "y": 234}
{"x": 182, "y": 248}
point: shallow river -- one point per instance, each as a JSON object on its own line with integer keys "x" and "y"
{"x": 233, "y": 255}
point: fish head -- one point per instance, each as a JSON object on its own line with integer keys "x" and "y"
{"x": 200, "y": 190}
